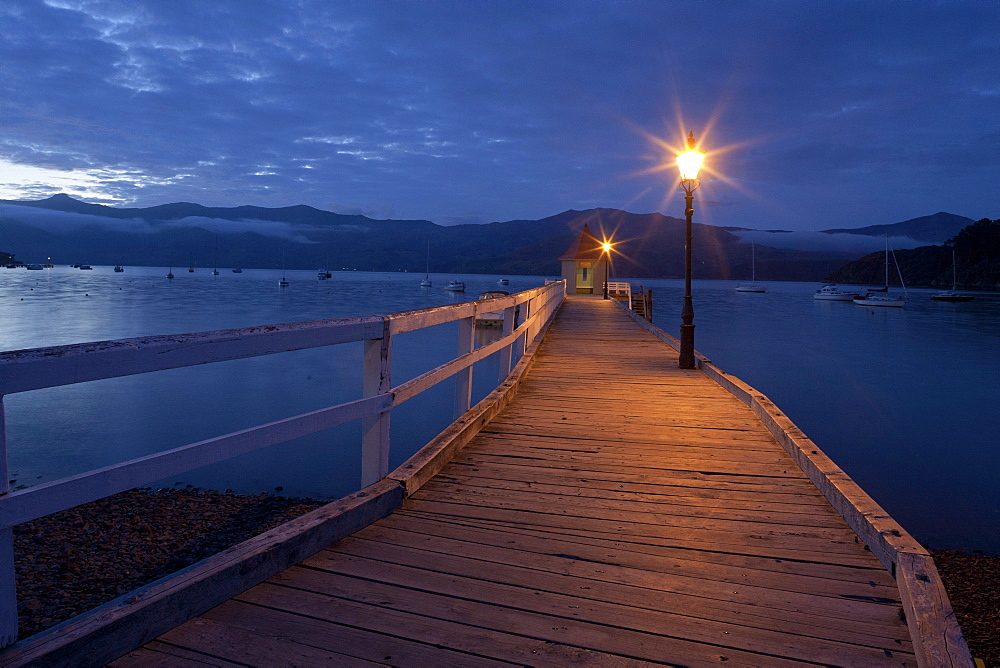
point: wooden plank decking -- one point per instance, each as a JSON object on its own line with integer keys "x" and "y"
{"x": 619, "y": 511}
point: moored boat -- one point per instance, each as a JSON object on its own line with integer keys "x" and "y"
{"x": 455, "y": 286}
{"x": 119, "y": 269}
{"x": 952, "y": 295}
{"x": 831, "y": 292}
{"x": 752, "y": 286}
{"x": 426, "y": 282}
{"x": 881, "y": 296}
{"x": 491, "y": 318}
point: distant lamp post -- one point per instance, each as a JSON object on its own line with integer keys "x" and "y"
{"x": 689, "y": 162}
{"x": 606, "y": 250}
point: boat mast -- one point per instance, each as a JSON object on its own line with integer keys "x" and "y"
{"x": 887, "y": 261}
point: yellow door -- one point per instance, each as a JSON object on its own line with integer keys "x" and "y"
{"x": 585, "y": 279}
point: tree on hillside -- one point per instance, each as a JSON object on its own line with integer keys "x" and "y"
{"x": 977, "y": 260}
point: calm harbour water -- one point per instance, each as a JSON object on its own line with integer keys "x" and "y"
{"x": 906, "y": 401}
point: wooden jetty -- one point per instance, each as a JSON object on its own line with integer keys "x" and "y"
{"x": 602, "y": 507}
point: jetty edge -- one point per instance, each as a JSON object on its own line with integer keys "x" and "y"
{"x": 937, "y": 637}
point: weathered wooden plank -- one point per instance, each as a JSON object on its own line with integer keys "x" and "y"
{"x": 655, "y": 500}
{"x": 453, "y": 635}
{"x": 266, "y": 643}
{"x": 529, "y": 564}
{"x": 526, "y": 507}
{"x": 688, "y": 447}
{"x": 694, "y": 466}
{"x": 513, "y": 609}
{"x": 597, "y": 473}
{"x": 37, "y": 368}
{"x": 703, "y": 530}
{"x": 662, "y": 629}
{"x": 599, "y": 506}
{"x": 663, "y": 436}
{"x": 938, "y": 640}
{"x": 640, "y": 538}
{"x": 680, "y": 490}
{"x": 335, "y": 636}
{"x": 627, "y": 553}
{"x": 157, "y": 654}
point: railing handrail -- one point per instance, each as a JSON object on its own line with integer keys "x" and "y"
{"x": 54, "y": 366}
{"x": 38, "y": 368}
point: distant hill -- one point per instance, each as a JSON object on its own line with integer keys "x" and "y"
{"x": 178, "y": 234}
{"x": 976, "y": 256}
{"x": 936, "y": 228}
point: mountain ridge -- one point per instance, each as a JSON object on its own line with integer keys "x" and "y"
{"x": 649, "y": 244}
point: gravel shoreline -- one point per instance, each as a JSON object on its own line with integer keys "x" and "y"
{"x": 72, "y": 561}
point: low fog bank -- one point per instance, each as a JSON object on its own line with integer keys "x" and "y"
{"x": 846, "y": 245}
{"x": 64, "y": 222}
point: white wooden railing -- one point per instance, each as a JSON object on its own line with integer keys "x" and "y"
{"x": 620, "y": 291}
{"x": 26, "y": 370}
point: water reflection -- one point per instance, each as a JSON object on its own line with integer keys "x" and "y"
{"x": 903, "y": 400}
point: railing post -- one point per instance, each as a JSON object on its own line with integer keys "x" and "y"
{"x": 506, "y": 354}
{"x": 375, "y": 429}
{"x": 522, "y": 341}
{"x": 8, "y": 588}
{"x": 463, "y": 379}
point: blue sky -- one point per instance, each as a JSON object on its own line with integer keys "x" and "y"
{"x": 814, "y": 114}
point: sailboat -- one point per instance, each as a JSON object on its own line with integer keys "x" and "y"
{"x": 880, "y": 296}
{"x": 752, "y": 286}
{"x": 215, "y": 272}
{"x": 426, "y": 283}
{"x": 283, "y": 283}
{"x": 951, "y": 295}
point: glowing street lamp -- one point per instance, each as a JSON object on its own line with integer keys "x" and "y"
{"x": 689, "y": 162}
{"x": 606, "y": 251}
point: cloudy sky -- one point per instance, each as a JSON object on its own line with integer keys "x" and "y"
{"x": 814, "y": 114}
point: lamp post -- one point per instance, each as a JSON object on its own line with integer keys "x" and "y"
{"x": 606, "y": 252}
{"x": 689, "y": 162}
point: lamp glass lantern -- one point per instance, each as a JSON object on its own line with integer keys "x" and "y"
{"x": 689, "y": 162}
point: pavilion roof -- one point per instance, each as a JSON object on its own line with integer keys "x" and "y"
{"x": 585, "y": 247}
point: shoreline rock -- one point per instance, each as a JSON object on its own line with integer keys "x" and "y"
{"x": 72, "y": 561}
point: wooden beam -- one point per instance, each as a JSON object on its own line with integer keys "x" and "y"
{"x": 40, "y": 500}
{"x": 376, "y": 380}
{"x": 38, "y": 368}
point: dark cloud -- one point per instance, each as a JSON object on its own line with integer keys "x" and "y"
{"x": 481, "y": 111}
